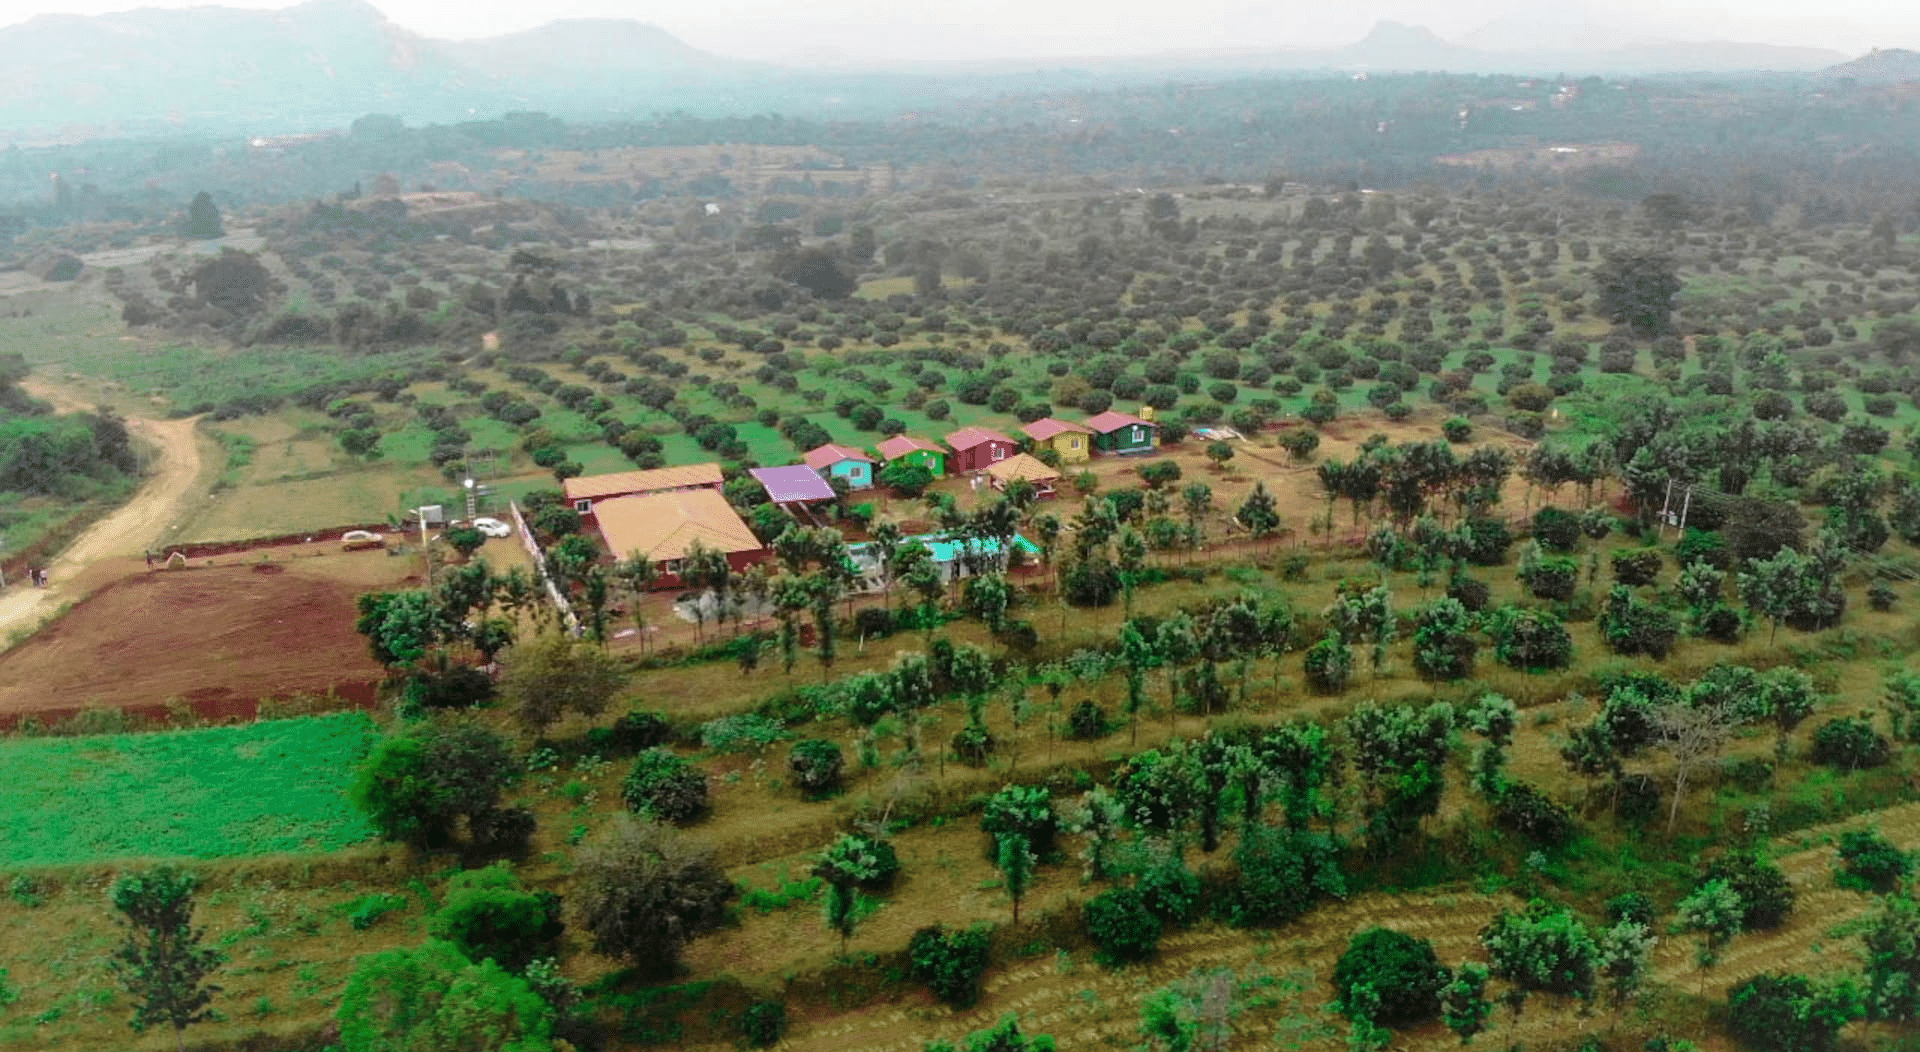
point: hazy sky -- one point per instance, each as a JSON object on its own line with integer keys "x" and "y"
{"x": 968, "y": 29}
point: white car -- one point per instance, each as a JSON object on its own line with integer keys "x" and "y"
{"x": 493, "y": 527}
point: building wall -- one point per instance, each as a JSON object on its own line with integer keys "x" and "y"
{"x": 1123, "y": 440}
{"x": 981, "y": 457}
{"x": 858, "y": 473}
{"x": 1073, "y": 447}
{"x": 739, "y": 561}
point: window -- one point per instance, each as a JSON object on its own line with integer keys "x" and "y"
{"x": 674, "y": 566}
{"x": 583, "y": 505}
{"x": 1074, "y": 442}
{"x": 999, "y": 451}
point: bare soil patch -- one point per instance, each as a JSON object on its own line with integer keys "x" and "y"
{"x": 221, "y": 635}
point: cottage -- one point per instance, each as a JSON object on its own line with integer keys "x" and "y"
{"x": 587, "y": 491}
{"x": 1072, "y": 442}
{"x": 1026, "y": 468}
{"x": 906, "y": 449}
{"x": 1120, "y": 433}
{"x": 977, "y": 448}
{"x": 842, "y": 462}
{"x": 663, "y": 528}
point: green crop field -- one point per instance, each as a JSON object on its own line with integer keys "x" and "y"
{"x": 263, "y": 788}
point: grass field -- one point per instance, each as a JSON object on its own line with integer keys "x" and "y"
{"x": 258, "y": 789}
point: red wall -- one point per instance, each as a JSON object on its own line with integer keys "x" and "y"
{"x": 740, "y": 561}
{"x": 980, "y": 457}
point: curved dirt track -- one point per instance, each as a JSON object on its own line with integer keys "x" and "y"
{"x": 129, "y": 530}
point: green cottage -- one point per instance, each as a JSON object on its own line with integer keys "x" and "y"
{"x": 1118, "y": 434}
{"x": 910, "y": 450}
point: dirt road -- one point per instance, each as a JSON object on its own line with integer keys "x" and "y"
{"x": 129, "y": 530}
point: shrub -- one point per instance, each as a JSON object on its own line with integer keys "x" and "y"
{"x": 430, "y": 996}
{"x": 1402, "y": 971}
{"x": 489, "y": 917}
{"x": 1487, "y": 541}
{"x": 950, "y": 963}
{"x": 764, "y": 1023}
{"x": 1631, "y": 907}
{"x": 1119, "y": 921}
{"x": 1556, "y": 530}
{"x": 1765, "y": 896}
{"x": 1544, "y": 948}
{"x": 1872, "y": 862}
{"x": 630, "y": 734}
{"x": 1637, "y": 566}
{"x": 1283, "y": 873}
{"x": 644, "y": 890}
{"x": 1088, "y": 721}
{"x": 664, "y": 786}
{"x": 1850, "y": 743}
{"x": 1329, "y": 665}
{"x": 1523, "y": 808}
{"x": 816, "y": 764}
{"x": 1788, "y": 1013}
{"x": 1552, "y": 578}
{"x": 1530, "y": 640}
{"x": 1633, "y": 627}
{"x": 1457, "y": 429}
{"x": 1470, "y": 593}
{"x": 873, "y": 622}
{"x": 870, "y": 861}
{"x": 1170, "y": 889}
{"x": 367, "y": 911}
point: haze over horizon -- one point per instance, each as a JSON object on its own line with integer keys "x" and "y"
{"x": 881, "y": 31}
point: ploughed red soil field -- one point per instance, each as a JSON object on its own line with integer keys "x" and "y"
{"x": 219, "y": 637}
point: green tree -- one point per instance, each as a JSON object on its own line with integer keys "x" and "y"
{"x": 418, "y": 787}
{"x": 401, "y": 626}
{"x": 1259, "y": 513}
{"x": 1892, "y": 944}
{"x": 162, "y": 963}
{"x": 203, "y": 219}
{"x": 1192, "y": 1015}
{"x": 1637, "y": 290}
{"x": 1014, "y": 858}
{"x": 1714, "y": 911}
{"x": 1004, "y": 1036}
{"x": 1544, "y": 948}
{"x": 1791, "y": 1013}
{"x": 1400, "y": 971}
{"x": 488, "y": 916}
{"x": 552, "y": 675}
{"x": 644, "y": 890}
{"x": 430, "y": 998}
{"x": 1464, "y": 1007}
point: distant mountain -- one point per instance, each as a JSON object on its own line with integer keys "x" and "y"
{"x": 1879, "y": 66}
{"x": 319, "y": 64}
{"x": 584, "y": 44}
{"x": 326, "y": 62}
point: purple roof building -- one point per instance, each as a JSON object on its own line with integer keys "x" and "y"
{"x": 798, "y": 484}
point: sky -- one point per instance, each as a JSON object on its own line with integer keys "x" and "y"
{"x": 909, "y": 30}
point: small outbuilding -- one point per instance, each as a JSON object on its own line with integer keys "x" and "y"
{"x": 1026, "y": 468}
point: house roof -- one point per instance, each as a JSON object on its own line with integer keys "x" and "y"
{"x": 1114, "y": 420}
{"x": 900, "y": 445}
{"x": 1023, "y": 466}
{"x": 664, "y": 526}
{"x": 969, "y": 437}
{"x": 796, "y": 483}
{"x": 685, "y": 476}
{"x": 831, "y": 454}
{"x": 1047, "y": 427}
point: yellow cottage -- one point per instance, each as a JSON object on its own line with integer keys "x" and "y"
{"x": 1071, "y": 441}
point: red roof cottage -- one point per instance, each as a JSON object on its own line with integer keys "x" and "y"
{"x": 978, "y": 448}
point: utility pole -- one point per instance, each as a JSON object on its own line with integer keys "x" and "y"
{"x": 1686, "y": 502}
{"x": 1665, "y": 505}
